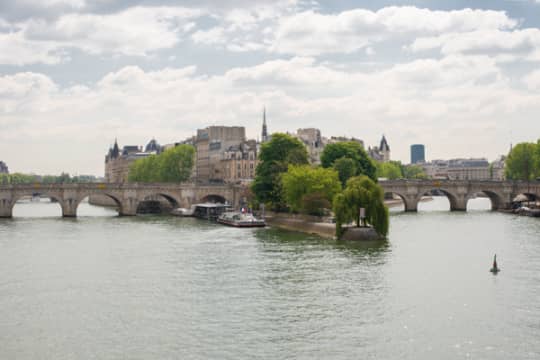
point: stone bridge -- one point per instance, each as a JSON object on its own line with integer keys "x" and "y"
{"x": 127, "y": 196}
{"x": 501, "y": 193}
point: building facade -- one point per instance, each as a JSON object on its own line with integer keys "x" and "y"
{"x": 314, "y": 142}
{"x": 418, "y": 154}
{"x": 380, "y": 153}
{"x": 3, "y": 168}
{"x": 118, "y": 162}
{"x": 458, "y": 169}
{"x": 211, "y": 143}
{"x": 239, "y": 162}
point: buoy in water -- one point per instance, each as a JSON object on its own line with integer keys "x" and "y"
{"x": 495, "y": 269}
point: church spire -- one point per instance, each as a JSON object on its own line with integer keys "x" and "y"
{"x": 264, "y": 128}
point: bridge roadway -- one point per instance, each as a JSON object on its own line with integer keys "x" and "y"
{"x": 501, "y": 193}
{"x": 128, "y": 196}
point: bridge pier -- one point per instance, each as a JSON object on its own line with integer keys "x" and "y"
{"x": 411, "y": 203}
{"x": 128, "y": 207}
{"x": 6, "y": 208}
{"x": 458, "y": 203}
{"x": 69, "y": 207}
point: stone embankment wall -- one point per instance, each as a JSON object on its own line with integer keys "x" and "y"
{"x": 302, "y": 223}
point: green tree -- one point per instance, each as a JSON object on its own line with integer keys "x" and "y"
{"x": 522, "y": 162}
{"x": 389, "y": 170}
{"x": 346, "y": 168}
{"x": 361, "y": 192}
{"x": 413, "y": 172}
{"x": 275, "y": 157}
{"x": 351, "y": 150}
{"x": 302, "y": 180}
{"x": 173, "y": 165}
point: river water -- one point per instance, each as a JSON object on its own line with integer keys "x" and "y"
{"x": 151, "y": 287}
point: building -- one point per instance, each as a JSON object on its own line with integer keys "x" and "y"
{"x": 211, "y": 143}
{"x": 336, "y": 139}
{"x": 118, "y": 162}
{"x": 436, "y": 169}
{"x": 380, "y": 153}
{"x": 239, "y": 162}
{"x": 418, "y": 154}
{"x": 314, "y": 143}
{"x": 458, "y": 169}
{"x": 497, "y": 169}
{"x": 3, "y": 168}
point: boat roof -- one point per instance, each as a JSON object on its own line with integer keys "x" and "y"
{"x": 212, "y": 205}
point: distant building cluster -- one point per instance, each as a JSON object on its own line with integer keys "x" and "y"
{"x": 465, "y": 169}
{"x": 117, "y": 162}
{"x": 3, "y": 168}
{"x": 225, "y": 155}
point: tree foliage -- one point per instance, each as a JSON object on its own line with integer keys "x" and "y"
{"x": 173, "y": 165}
{"x": 275, "y": 157}
{"x": 346, "y": 168}
{"x": 389, "y": 170}
{"x": 303, "y": 180}
{"x": 19, "y": 178}
{"x": 523, "y": 162}
{"x": 413, "y": 172}
{"x": 350, "y": 150}
{"x": 361, "y": 192}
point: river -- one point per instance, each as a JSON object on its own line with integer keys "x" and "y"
{"x": 157, "y": 287}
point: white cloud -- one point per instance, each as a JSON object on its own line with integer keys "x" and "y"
{"x": 135, "y": 31}
{"x": 523, "y": 44}
{"x": 312, "y": 33}
{"x": 460, "y": 104}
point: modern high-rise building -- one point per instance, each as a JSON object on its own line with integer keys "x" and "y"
{"x": 418, "y": 154}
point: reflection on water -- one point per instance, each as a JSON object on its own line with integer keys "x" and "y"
{"x": 108, "y": 287}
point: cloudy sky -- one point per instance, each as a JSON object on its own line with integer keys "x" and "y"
{"x": 461, "y": 77}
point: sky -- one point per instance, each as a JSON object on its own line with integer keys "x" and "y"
{"x": 461, "y": 77}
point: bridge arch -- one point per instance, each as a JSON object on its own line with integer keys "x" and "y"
{"x": 55, "y": 198}
{"x": 214, "y": 198}
{"x": 152, "y": 200}
{"x": 452, "y": 198}
{"x": 83, "y": 196}
{"x": 496, "y": 199}
{"x": 407, "y": 204}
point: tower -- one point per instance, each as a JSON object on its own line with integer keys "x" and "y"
{"x": 384, "y": 150}
{"x": 264, "y": 137}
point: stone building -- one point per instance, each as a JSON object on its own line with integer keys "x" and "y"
{"x": 314, "y": 143}
{"x": 117, "y": 162}
{"x": 3, "y": 168}
{"x": 468, "y": 169}
{"x": 497, "y": 169}
{"x": 239, "y": 162}
{"x": 210, "y": 144}
{"x": 380, "y": 153}
{"x": 458, "y": 169}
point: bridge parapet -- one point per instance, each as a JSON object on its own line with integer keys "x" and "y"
{"x": 127, "y": 196}
{"x": 501, "y": 193}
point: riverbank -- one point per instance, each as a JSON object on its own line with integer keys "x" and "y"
{"x": 302, "y": 223}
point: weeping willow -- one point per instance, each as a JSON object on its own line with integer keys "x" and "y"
{"x": 361, "y": 192}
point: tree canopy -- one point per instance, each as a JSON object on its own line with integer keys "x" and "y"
{"x": 351, "y": 150}
{"x": 274, "y": 158}
{"x": 523, "y": 162}
{"x": 307, "y": 189}
{"x": 173, "y": 165}
{"x": 19, "y": 178}
{"x": 389, "y": 170}
{"x": 361, "y": 192}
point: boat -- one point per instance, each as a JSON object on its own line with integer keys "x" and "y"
{"x": 239, "y": 219}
